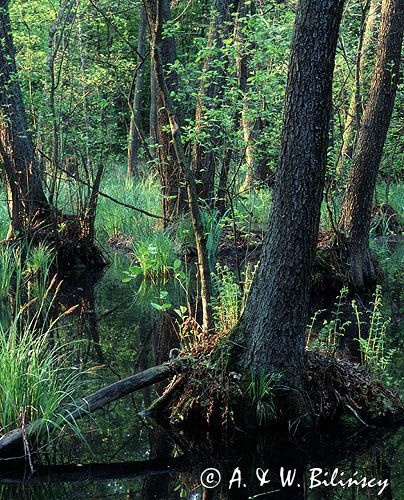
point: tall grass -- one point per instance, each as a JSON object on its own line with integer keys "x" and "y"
{"x": 155, "y": 255}
{"x": 24, "y": 269}
{"x": 114, "y": 220}
{"x": 36, "y": 382}
{"x": 4, "y": 218}
{"x": 230, "y": 296}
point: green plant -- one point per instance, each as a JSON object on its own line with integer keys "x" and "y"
{"x": 227, "y": 299}
{"x": 24, "y": 270}
{"x": 332, "y": 330}
{"x": 37, "y": 269}
{"x": 213, "y": 224}
{"x": 372, "y": 346}
{"x": 154, "y": 257}
{"x": 261, "y": 390}
{"x": 37, "y": 384}
{"x": 9, "y": 263}
{"x": 4, "y": 218}
{"x": 230, "y": 296}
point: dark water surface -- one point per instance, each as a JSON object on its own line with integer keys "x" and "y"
{"x": 119, "y": 334}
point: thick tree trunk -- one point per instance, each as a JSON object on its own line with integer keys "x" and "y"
{"x": 136, "y": 115}
{"x": 171, "y": 174}
{"x": 273, "y": 326}
{"x": 24, "y": 184}
{"x": 357, "y": 205}
{"x": 208, "y": 140}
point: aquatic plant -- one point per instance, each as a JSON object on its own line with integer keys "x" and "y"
{"x": 371, "y": 331}
{"x": 332, "y": 329}
{"x": 37, "y": 382}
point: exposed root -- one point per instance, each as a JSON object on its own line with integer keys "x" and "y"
{"x": 70, "y": 236}
{"x": 335, "y": 389}
{"x": 386, "y": 219}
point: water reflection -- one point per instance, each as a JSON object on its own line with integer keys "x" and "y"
{"x": 133, "y": 457}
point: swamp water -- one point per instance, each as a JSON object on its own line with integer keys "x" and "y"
{"x": 128, "y": 456}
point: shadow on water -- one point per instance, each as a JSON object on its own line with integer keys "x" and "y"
{"x": 128, "y": 456}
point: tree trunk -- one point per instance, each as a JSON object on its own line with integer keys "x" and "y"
{"x": 153, "y": 107}
{"x": 358, "y": 199}
{"x": 174, "y": 200}
{"x": 208, "y": 140}
{"x": 154, "y": 13}
{"x": 32, "y": 216}
{"x": 354, "y": 114}
{"x": 136, "y": 115}
{"x": 24, "y": 183}
{"x": 273, "y": 326}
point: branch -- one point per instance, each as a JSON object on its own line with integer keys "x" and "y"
{"x": 15, "y": 439}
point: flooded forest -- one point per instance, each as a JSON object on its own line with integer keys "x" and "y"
{"x": 201, "y": 249}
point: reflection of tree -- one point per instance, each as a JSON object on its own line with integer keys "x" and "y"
{"x": 161, "y": 486}
{"x": 365, "y": 452}
{"x": 80, "y": 290}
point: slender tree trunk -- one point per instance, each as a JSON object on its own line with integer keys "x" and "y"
{"x": 274, "y": 323}
{"x": 174, "y": 201}
{"x": 247, "y": 124}
{"x": 207, "y": 145}
{"x": 354, "y": 114}
{"x": 24, "y": 183}
{"x": 154, "y": 13}
{"x": 255, "y": 159}
{"x": 153, "y": 105}
{"x": 357, "y": 205}
{"x": 136, "y": 115}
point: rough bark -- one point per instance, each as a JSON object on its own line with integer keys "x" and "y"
{"x": 136, "y": 115}
{"x": 24, "y": 184}
{"x": 358, "y": 199}
{"x": 211, "y": 91}
{"x": 153, "y": 107}
{"x": 273, "y": 326}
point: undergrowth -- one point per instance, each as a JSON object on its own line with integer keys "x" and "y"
{"x": 37, "y": 382}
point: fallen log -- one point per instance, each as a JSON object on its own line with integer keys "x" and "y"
{"x": 17, "y": 440}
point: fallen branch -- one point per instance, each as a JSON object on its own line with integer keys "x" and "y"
{"x": 14, "y": 440}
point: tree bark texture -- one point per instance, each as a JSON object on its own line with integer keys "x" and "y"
{"x": 174, "y": 201}
{"x": 136, "y": 115}
{"x": 24, "y": 184}
{"x": 357, "y": 206}
{"x": 354, "y": 114}
{"x": 276, "y": 314}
